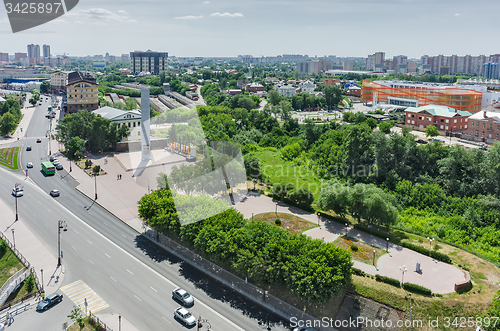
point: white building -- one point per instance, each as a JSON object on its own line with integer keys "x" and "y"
{"x": 307, "y": 86}
{"x": 286, "y": 90}
{"x": 130, "y": 118}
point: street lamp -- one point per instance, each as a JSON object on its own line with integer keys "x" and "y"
{"x": 374, "y": 252}
{"x": 41, "y": 272}
{"x": 387, "y": 249}
{"x": 13, "y": 239}
{"x": 60, "y": 225}
{"x": 95, "y": 188}
{"x": 119, "y": 323}
{"x": 430, "y": 243}
{"x": 403, "y": 270}
{"x": 276, "y": 209}
{"x": 318, "y": 218}
{"x": 346, "y": 229}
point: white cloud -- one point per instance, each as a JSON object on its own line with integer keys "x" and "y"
{"x": 189, "y": 17}
{"x": 457, "y": 14}
{"x": 101, "y": 16}
{"x": 206, "y": 2}
{"x": 226, "y": 14}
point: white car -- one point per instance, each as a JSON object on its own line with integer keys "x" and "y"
{"x": 17, "y": 192}
{"x": 184, "y": 317}
{"x": 55, "y": 162}
{"x": 183, "y": 296}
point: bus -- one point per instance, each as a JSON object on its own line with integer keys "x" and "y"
{"x": 48, "y": 168}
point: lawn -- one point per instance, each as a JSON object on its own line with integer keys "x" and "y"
{"x": 8, "y": 157}
{"x": 9, "y": 265}
{"x": 287, "y": 222}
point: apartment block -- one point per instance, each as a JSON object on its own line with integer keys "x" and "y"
{"x": 148, "y": 61}
{"x": 82, "y": 91}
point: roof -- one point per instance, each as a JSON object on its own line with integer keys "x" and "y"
{"x": 81, "y": 76}
{"x": 115, "y": 114}
{"x": 484, "y": 115}
{"x": 438, "y": 110}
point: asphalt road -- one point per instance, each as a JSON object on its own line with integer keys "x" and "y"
{"x": 134, "y": 276}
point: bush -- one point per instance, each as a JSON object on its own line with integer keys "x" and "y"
{"x": 358, "y": 272}
{"x": 30, "y": 283}
{"x": 387, "y": 280}
{"x": 277, "y": 222}
{"x": 354, "y": 248}
{"x": 435, "y": 255}
{"x": 417, "y": 289}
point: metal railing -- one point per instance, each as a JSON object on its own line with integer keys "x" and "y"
{"x": 94, "y": 321}
{"x": 13, "y": 283}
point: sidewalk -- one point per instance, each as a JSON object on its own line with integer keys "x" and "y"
{"x": 27, "y": 111}
{"x": 436, "y": 276}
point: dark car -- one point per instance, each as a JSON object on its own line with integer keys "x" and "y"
{"x": 28, "y": 148}
{"x": 59, "y": 167}
{"x": 39, "y": 140}
{"x": 49, "y": 301}
{"x": 183, "y": 297}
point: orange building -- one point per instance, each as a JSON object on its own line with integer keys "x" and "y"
{"x": 417, "y": 94}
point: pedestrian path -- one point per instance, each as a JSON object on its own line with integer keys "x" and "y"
{"x": 84, "y": 297}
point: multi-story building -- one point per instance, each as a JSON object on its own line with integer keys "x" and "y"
{"x": 307, "y": 86}
{"x": 491, "y": 70}
{"x": 125, "y": 58}
{"x": 46, "y": 51}
{"x": 375, "y": 61}
{"x": 286, "y": 90}
{"x": 19, "y": 56}
{"x": 348, "y": 65}
{"x": 314, "y": 66}
{"x": 4, "y": 57}
{"x": 33, "y": 51}
{"x": 332, "y": 81}
{"x": 130, "y": 118}
{"x": 58, "y": 80}
{"x": 148, "y": 61}
{"x": 448, "y": 120}
{"x": 254, "y": 88}
{"x": 484, "y": 126}
{"x": 411, "y": 94}
{"x": 454, "y": 64}
{"x": 82, "y": 91}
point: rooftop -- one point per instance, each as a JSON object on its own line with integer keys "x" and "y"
{"x": 438, "y": 110}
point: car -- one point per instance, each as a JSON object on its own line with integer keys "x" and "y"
{"x": 39, "y": 140}
{"x": 52, "y": 158}
{"x": 49, "y": 301}
{"x": 55, "y": 162}
{"x": 28, "y": 148}
{"x": 55, "y": 193}
{"x": 183, "y": 297}
{"x": 184, "y": 317}
{"x": 59, "y": 167}
{"x": 17, "y": 192}
{"x": 29, "y": 165}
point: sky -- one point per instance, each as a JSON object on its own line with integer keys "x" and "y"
{"x": 266, "y": 28}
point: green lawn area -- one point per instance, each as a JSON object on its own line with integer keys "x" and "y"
{"x": 9, "y": 265}
{"x": 287, "y": 222}
{"x": 359, "y": 250}
{"x": 8, "y": 157}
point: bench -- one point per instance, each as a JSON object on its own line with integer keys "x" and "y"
{"x": 463, "y": 284}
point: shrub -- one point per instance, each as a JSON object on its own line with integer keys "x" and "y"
{"x": 436, "y": 255}
{"x": 417, "y": 289}
{"x": 387, "y": 280}
{"x": 354, "y": 248}
{"x": 30, "y": 283}
{"x": 358, "y": 272}
{"x": 278, "y": 222}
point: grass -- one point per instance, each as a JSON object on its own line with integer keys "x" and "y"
{"x": 289, "y": 222}
{"x": 9, "y": 265}
{"x": 9, "y": 157}
{"x": 365, "y": 251}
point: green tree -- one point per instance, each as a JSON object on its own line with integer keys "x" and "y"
{"x": 8, "y": 124}
{"x": 30, "y": 283}
{"x": 45, "y": 86}
{"x": 334, "y": 196}
{"x": 274, "y": 97}
{"x": 75, "y": 147}
{"x": 333, "y": 96}
{"x": 76, "y": 315}
{"x": 385, "y": 126}
{"x": 431, "y": 131}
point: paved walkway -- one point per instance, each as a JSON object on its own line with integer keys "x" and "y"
{"x": 436, "y": 276}
{"x": 28, "y": 111}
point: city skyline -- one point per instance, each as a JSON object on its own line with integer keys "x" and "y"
{"x": 224, "y": 28}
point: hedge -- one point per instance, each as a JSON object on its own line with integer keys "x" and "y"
{"x": 387, "y": 280}
{"x": 358, "y": 272}
{"x": 436, "y": 255}
{"x": 417, "y": 289}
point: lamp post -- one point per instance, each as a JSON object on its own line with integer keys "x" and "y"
{"x": 41, "y": 272}
{"x": 148, "y": 184}
{"x": 387, "y": 249}
{"x": 346, "y": 229}
{"x": 13, "y": 239}
{"x": 254, "y": 181}
{"x": 403, "y": 270}
{"x": 318, "y": 217}
{"x": 119, "y": 323}
{"x": 374, "y": 252}
{"x": 276, "y": 212}
{"x": 60, "y": 225}
{"x": 430, "y": 243}
{"x": 95, "y": 181}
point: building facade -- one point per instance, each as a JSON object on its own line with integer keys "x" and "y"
{"x": 82, "y": 91}
{"x": 254, "y": 88}
{"x": 445, "y": 119}
{"x": 307, "y": 86}
{"x": 148, "y": 61}
{"x": 46, "y": 51}
{"x": 286, "y": 90}
{"x": 58, "y": 80}
{"x": 129, "y": 118}
{"x": 484, "y": 126}
{"x": 314, "y": 66}
{"x": 491, "y": 70}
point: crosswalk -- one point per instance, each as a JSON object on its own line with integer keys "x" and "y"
{"x": 79, "y": 293}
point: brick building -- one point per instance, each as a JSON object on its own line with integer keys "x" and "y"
{"x": 82, "y": 91}
{"x": 484, "y": 126}
{"x": 447, "y": 120}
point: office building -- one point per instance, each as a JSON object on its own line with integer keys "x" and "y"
{"x": 148, "y": 61}
{"x": 46, "y": 51}
{"x": 82, "y": 91}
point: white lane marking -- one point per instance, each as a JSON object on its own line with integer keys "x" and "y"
{"x": 113, "y": 278}
{"x": 137, "y": 298}
{"x": 130, "y": 272}
{"x": 75, "y": 231}
{"x": 166, "y": 320}
{"x": 123, "y": 236}
{"x": 73, "y": 248}
{"x": 89, "y": 241}
{"x": 107, "y": 255}
{"x": 105, "y": 223}
{"x": 154, "y": 289}
{"x": 92, "y": 262}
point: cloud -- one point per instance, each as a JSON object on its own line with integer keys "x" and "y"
{"x": 101, "y": 16}
{"x": 226, "y": 14}
{"x": 189, "y": 17}
{"x": 206, "y": 2}
{"x": 457, "y": 14}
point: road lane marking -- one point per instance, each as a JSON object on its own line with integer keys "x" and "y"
{"x": 105, "y": 223}
{"x": 73, "y": 248}
{"x": 107, "y": 255}
{"x": 123, "y": 236}
{"x": 130, "y": 272}
{"x": 154, "y": 289}
{"x": 89, "y": 241}
{"x": 75, "y": 231}
{"x": 113, "y": 278}
{"x": 92, "y": 262}
{"x": 166, "y": 320}
{"x": 137, "y": 298}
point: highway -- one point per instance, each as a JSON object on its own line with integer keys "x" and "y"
{"x": 134, "y": 276}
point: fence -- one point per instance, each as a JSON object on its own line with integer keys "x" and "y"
{"x": 250, "y": 291}
{"x": 5, "y": 288}
{"x": 94, "y": 321}
{"x": 13, "y": 283}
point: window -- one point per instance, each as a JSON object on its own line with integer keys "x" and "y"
{"x": 442, "y": 120}
{"x": 446, "y": 127}
{"x": 497, "y": 135}
{"x": 484, "y": 125}
{"x": 472, "y": 123}
{"x": 447, "y": 121}
{"x": 441, "y": 127}
{"x": 428, "y": 118}
{"x": 408, "y": 121}
{"x": 129, "y": 124}
{"x": 134, "y": 124}
{"x": 491, "y": 127}
{"x": 483, "y": 134}
{"x": 454, "y": 121}
{"x": 498, "y": 127}
{"x": 472, "y": 132}
{"x": 477, "y": 132}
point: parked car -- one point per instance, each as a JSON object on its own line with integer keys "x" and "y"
{"x": 28, "y": 148}
{"x": 184, "y": 317}
{"x": 55, "y": 193}
{"x": 49, "y": 301}
{"x": 39, "y": 140}
{"x": 183, "y": 297}
{"x": 59, "y": 167}
{"x": 55, "y": 162}
{"x": 52, "y": 158}
{"x": 17, "y": 192}
{"x": 29, "y": 165}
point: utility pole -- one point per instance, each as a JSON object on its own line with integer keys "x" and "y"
{"x": 60, "y": 225}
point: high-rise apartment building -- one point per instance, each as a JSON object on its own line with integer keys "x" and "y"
{"x": 19, "y": 56}
{"x": 46, "y": 51}
{"x": 125, "y": 58}
{"x": 453, "y": 64}
{"x": 4, "y": 57}
{"x": 148, "y": 61}
{"x": 491, "y": 70}
{"x": 375, "y": 61}
{"x": 314, "y": 67}
{"x": 33, "y": 51}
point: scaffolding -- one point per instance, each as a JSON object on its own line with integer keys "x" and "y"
{"x": 458, "y": 98}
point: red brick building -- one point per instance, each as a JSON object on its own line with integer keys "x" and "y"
{"x": 254, "y": 88}
{"x": 447, "y": 120}
{"x": 484, "y": 126}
